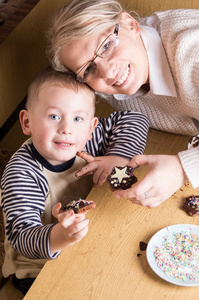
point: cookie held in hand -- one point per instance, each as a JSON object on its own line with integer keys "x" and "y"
{"x": 79, "y": 206}
{"x": 192, "y": 205}
{"x": 121, "y": 178}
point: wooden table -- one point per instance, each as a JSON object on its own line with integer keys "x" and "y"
{"x": 105, "y": 264}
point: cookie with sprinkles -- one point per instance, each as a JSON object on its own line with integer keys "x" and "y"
{"x": 193, "y": 142}
{"x": 121, "y": 178}
{"x": 191, "y": 205}
{"x": 79, "y": 206}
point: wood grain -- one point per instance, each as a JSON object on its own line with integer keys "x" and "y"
{"x": 105, "y": 265}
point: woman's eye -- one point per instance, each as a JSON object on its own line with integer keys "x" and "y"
{"x": 78, "y": 119}
{"x": 54, "y": 117}
{"x": 105, "y": 47}
{"x": 89, "y": 69}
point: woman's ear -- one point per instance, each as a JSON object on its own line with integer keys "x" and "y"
{"x": 25, "y": 122}
{"x": 130, "y": 22}
{"x": 94, "y": 122}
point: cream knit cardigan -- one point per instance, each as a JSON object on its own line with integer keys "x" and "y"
{"x": 180, "y": 38}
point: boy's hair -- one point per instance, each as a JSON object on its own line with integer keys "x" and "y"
{"x": 50, "y": 77}
{"x": 78, "y": 19}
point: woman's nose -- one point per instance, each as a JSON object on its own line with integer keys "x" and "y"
{"x": 106, "y": 67}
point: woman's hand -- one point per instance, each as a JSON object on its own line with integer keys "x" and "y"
{"x": 164, "y": 177}
{"x": 100, "y": 166}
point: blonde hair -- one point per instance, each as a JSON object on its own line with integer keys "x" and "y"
{"x": 50, "y": 77}
{"x": 79, "y": 19}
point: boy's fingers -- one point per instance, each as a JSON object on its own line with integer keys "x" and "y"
{"x": 56, "y": 210}
{"x": 76, "y": 228}
{"x": 88, "y": 169}
{"x": 87, "y": 157}
{"x": 60, "y": 214}
{"x": 80, "y": 234}
{"x": 103, "y": 178}
{"x": 66, "y": 218}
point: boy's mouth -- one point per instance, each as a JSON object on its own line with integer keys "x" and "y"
{"x": 121, "y": 80}
{"x": 63, "y": 144}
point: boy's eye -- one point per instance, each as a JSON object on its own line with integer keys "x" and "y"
{"x": 77, "y": 119}
{"x": 54, "y": 117}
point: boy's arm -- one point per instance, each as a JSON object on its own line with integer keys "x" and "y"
{"x": 121, "y": 134}
{"x": 24, "y": 189}
{"x": 115, "y": 141}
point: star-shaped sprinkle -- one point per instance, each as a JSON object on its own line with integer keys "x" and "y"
{"x": 120, "y": 174}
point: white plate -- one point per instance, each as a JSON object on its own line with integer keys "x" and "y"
{"x": 156, "y": 240}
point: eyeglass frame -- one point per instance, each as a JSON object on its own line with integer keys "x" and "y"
{"x": 115, "y": 34}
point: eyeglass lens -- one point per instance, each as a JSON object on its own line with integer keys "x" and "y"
{"x": 105, "y": 49}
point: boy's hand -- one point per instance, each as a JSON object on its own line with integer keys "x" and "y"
{"x": 71, "y": 228}
{"x": 100, "y": 166}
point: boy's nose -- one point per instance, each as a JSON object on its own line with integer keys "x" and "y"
{"x": 64, "y": 127}
{"x": 64, "y": 131}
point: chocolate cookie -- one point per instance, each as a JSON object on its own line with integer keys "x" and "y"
{"x": 80, "y": 206}
{"x": 193, "y": 142}
{"x": 192, "y": 205}
{"x": 121, "y": 178}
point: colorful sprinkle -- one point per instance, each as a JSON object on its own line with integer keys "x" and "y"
{"x": 178, "y": 257}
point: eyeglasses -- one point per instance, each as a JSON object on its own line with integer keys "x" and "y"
{"x": 106, "y": 48}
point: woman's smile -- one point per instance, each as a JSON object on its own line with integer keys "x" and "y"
{"x": 124, "y": 76}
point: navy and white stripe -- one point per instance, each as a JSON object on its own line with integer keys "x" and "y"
{"x": 122, "y": 134}
{"x": 25, "y": 188}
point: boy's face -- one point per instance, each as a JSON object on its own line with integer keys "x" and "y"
{"x": 61, "y": 122}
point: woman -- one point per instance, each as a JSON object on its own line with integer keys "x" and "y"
{"x": 151, "y": 66}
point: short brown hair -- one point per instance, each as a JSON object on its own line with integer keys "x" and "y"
{"x": 52, "y": 77}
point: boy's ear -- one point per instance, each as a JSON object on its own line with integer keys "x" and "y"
{"x": 25, "y": 122}
{"x": 129, "y": 21}
{"x": 94, "y": 122}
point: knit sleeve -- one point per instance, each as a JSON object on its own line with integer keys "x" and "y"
{"x": 24, "y": 189}
{"x": 122, "y": 134}
{"x": 190, "y": 162}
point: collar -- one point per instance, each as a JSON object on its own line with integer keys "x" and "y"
{"x": 160, "y": 78}
{"x": 58, "y": 168}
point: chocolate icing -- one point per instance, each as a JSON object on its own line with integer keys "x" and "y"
{"x": 192, "y": 205}
{"x": 79, "y": 206}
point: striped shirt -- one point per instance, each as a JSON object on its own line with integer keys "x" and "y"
{"x": 25, "y": 187}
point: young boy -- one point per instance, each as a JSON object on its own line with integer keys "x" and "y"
{"x": 41, "y": 175}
